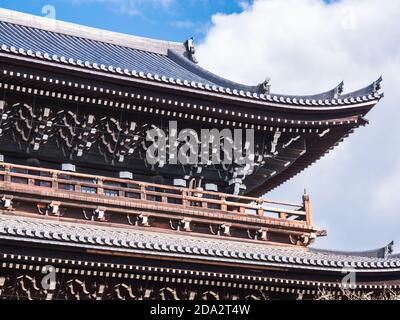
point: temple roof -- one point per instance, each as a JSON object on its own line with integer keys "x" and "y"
{"x": 156, "y": 243}
{"x": 69, "y": 62}
{"x": 159, "y": 61}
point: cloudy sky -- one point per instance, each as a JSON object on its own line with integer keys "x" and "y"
{"x": 305, "y": 46}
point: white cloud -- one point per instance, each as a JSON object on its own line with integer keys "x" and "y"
{"x": 308, "y": 46}
{"x": 387, "y": 194}
{"x": 244, "y": 5}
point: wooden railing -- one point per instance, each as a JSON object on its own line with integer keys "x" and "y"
{"x": 130, "y": 189}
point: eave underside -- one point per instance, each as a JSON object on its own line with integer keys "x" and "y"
{"x": 309, "y": 135}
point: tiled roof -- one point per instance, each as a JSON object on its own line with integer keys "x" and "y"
{"x": 185, "y": 246}
{"x": 57, "y": 45}
{"x": 167, "y": 62}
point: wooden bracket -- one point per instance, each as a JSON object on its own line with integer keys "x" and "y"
{"x": 6, "y": 202}
{"x": 262, "y": 234}
{"x": 98, "y": 214}
{"x": 144, "y": 220}
{"x": 183, "y": 224}
{"x": 54, "y": 208}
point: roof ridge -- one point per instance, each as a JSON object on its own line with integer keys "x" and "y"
{"x": 101, "y": 35}
{"x": 382, "y": 252}
{"x": 208, "y": 75}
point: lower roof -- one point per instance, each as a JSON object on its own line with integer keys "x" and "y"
{"x": 158, "y": 244}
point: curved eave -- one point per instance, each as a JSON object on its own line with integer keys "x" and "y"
{"x": 56, "y": 84}
{"x": 188, "y": 248}
{"x": 184, "y": 87}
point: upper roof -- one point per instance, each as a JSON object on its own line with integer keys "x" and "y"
{"x": 155, "y": 60}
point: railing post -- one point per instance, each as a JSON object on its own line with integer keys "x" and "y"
{"x": 224, "y": 207}
{"x": 54, "y": 182}
{"x": 7, "y": 176}
{"x": 307, "y": 207}
{"x": 100, "y": 189}
{"x": 184, "y": 198}
{"x": 260, "y": 211}
{"x": 143, "y": 192}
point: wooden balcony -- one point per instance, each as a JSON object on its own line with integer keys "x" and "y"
{"x": 98, "y": 199}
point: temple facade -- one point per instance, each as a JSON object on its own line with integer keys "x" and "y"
{"x": 84, "y": 213}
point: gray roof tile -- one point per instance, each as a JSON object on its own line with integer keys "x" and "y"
{"x": 137, "y": 58}
{"x": 66, "y": 233}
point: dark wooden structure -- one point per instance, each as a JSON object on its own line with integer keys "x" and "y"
{"x": 79, "y": 198}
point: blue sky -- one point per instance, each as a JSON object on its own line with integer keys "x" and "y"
{"x": 162, "y": 19}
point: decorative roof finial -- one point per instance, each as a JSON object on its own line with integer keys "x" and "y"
{"x": 390, "y": 245}
{"x": 191, "y": 50}
{"x": 377, "y": 85}
{"x": 339, "y": 90}
{"x": 265, "y": 87}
